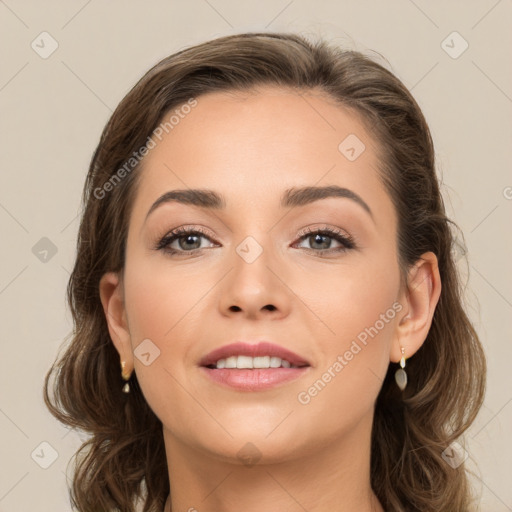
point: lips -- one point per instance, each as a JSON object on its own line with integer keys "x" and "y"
{"x": 261, "y": 349}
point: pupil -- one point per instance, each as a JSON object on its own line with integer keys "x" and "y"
{"x": 318, "y": 238}
{"x": 189, "y": 238}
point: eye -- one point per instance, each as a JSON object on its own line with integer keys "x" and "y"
{"x": 185, "y": 240}
{"x": 188, "y": 241}
{"x": 320, "y": 240}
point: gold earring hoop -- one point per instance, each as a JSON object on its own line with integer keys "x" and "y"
{"x": 126, "y": 377}
{"x": 400, "y": 375}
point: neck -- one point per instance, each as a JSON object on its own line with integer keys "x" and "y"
{"x": 332, "y": 477}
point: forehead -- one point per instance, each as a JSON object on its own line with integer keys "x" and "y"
{"x": 252, "y": 145}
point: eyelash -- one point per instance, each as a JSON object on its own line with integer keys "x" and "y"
{"x": 346, "y": 240}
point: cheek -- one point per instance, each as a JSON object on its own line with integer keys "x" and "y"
{"x": 160, "y": 298}
{"x": 163, "y": 305}
{"x": 349, "y": 298}
{"x": 358, "y": 310}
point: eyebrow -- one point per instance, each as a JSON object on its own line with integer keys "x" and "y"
{"x": 291, "y": 198}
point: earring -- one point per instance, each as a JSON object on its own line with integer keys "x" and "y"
{"x": 400, "y": 375}
{"x": 126, "y": 377}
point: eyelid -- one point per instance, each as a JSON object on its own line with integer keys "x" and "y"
{"x": 346, "y": 240}
{"x": 323, "y": 228}
{"x": 176, "y": 233}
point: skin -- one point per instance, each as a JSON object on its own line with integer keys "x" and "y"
{"x": 250, "y": 147}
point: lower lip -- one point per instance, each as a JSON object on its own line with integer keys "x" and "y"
{"x": 255, "y": 379}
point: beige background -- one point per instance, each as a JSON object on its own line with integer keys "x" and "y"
{"x": 54, "y": 109}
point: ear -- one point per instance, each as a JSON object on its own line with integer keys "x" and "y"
{"x": 419, "y": 299}
{"x": 112, "y": 299}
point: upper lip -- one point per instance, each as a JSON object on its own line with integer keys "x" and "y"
{"x": 263, "y": 348}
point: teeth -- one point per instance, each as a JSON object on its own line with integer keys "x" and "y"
{"x": 261, "y": 362}
{"x": 275, "y": 362}
{"x": 244, "y": 362}
{"x": 230, "y": 362}
{"x": 253, "y": 362}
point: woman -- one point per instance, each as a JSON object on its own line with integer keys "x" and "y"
{"x": 264, "y": 251}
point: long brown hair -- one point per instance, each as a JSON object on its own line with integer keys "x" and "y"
{"x": 123, "y": 462}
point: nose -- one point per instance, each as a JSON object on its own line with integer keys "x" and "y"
{"x": 256, "y": 286}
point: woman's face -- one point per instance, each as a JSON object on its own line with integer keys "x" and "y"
{"x": 256, "y": 272}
